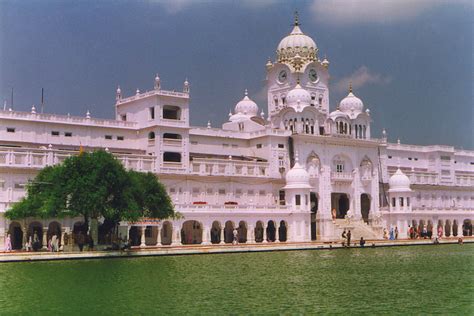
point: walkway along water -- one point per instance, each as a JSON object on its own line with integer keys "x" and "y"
{"x": 213, "y": 249}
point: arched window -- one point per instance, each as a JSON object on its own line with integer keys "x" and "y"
{"x": 151, "y": 135}
{"x": 356, "y": 132}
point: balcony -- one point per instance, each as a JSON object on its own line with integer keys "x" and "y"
{"x": 28, "y": 158}
{"x": 342, "y": 176}
{"x": 226, "y": 167}
{"x": 214, "y": 208}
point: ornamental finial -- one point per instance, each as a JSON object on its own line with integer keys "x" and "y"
{"x": 296, "y": 18}
{"x": 350, "y": 87}
{"x": 246, "y": 92}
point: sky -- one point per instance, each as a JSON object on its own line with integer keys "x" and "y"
{"x": 411, "y": 62}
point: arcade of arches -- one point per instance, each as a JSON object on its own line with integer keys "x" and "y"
{"x": 193, "y": 232}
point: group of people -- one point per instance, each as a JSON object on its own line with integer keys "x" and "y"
{"x": 392, "y": 234}
{"x": 346, "y": 238}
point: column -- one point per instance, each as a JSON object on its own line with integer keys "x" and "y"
{"x": 264, "y": 234}
{"x": 222, "y": 236}
{"x": 206, "y": 237}
{"x": 158, "y": 236}
{"x": 460, "y": 223}
{"x": 176, "y": 239}
{"x": 25, "y": 236}
{"x": 142, "y": 240}
{"x": 63, "y": 231}
{"x": 251, "y": 234}
{"x": 45, "y": 238}
{"x": 128, "y": 232}
{"x": 277, "y": 233}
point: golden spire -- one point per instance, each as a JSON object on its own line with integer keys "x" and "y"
{"x": 350, "y": 87}
{"x": 296, "y": 19}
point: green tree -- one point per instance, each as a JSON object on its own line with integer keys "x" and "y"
{"x": 93, "y": 185}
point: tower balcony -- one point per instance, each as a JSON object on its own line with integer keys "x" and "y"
{"x": 342, "y": 176}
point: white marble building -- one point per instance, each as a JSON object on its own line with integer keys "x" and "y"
{"x": 274, "y": 176}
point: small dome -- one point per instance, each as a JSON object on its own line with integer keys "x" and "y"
{"x": 297, "y": 178}
{"x": 298, "y": 95}
{"x": 338, "y": 113}
{"x": 399, "y": 182}
{"x": 246, "y": 106}
{"x": 351, "y": 103}
{"x": 296, "y": 44}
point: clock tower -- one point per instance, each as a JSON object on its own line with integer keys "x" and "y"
{"x": 297, "y": 62}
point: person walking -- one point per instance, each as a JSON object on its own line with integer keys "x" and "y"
{"x": 396, "y": 232}
{"x": 54, "y": 243}
{"x": 349, "y": 238}
{"x": 392, "y": 234}
{"x": 344, "y": 237}
{"x": 235, "y": 233}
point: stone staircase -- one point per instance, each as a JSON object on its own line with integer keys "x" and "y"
{"x": 358, "y": 229}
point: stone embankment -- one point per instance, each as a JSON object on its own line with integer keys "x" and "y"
{"x": 16, "y": 256}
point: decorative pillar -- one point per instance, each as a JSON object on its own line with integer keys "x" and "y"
{"x": 63, "y": 231}
{"x": 158, "y": 236}
{"x": 25, "y": 237}
{"x": 251, "y": 234}
{"x": 128, "y": 232}
{"x": 45, "y": 238}
{"x": 264, "y": 234}
{"x": 206, "y": 237}
{"x": 176, "y": 240}
{"x": 142, "y": 244}
{"x": 277, "y": 233}
{"x": 222, "y": 236}
{"x": 460, "y": 232}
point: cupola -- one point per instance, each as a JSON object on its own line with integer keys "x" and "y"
{"x": 246, "y": 106}
{"x": 351, "y": 103}
{"x": 399, "y": 182}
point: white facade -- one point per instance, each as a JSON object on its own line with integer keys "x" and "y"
{"x": 239, "y": 175}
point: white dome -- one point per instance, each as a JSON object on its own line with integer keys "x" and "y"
{"x": 399, "y": 182}
{"x": 246, "y": 106}
{"x": 298, "y": 95}
{"x": 296, "y": 43}
{"x": 297, "y": 178}
{"x": 351, "y": 103}
{"x": 338, "y": 113}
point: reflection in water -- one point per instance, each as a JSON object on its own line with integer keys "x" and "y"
{"x": 378, "y": 280}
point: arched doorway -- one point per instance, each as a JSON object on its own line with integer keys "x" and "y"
{"x": 16, "y": 235}
{"x": 135, "y": 235}
{"x": 429, "y": 229}
{"x": 166, "y": 233}
{"x": 365, "y": 207}
{"x": 54, "y": 229}
{"x": 151, "y": 234}
{"x": 314, "y": 210}
{"x": 447, "y": 228}
{"x": 340, "y": 202}
{"x": 258, "y": 232}
{"x": 35, "y": 230}
{"x": 228, "y": 232}
{"x": 439, "y": 229}
{"x": 191, "y": 233}
{"x": 242, "y": 232}
{"x": 422, "y": 229}
{"x": 215, "y": 232}
{"x": 282, "y": 232}
{"x": 455, "y": 228}
{"x": 78, "y": 228}
{"x": 467, "y": 227}
{"x": 271, "y": 231}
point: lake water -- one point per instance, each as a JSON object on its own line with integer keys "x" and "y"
{"x": 397, "y": 280}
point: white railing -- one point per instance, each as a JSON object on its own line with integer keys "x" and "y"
{"x": 153, "y": 92}
{"x": 40, "y": 158}
{"x": 342, "y": 176}
{"x": 64, "y": 119}
{"x": 227, "y": 167}
{"x": 230, "y": 208}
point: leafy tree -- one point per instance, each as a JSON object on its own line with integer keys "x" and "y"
{"x": 93, "y": 185}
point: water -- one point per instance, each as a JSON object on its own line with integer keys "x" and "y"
{"x": 401, "y": 280}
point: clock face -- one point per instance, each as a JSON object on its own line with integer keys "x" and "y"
{"x": 282, "y": 76}
{"x": 313, "y": 75}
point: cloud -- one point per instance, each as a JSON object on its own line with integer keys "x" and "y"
{"x": 176, "y": 6}
{"x": 378, "y": 11}
{"x": 359, "y": 78}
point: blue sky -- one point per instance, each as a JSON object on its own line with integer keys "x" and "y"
{"x": 411, "y": 62}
